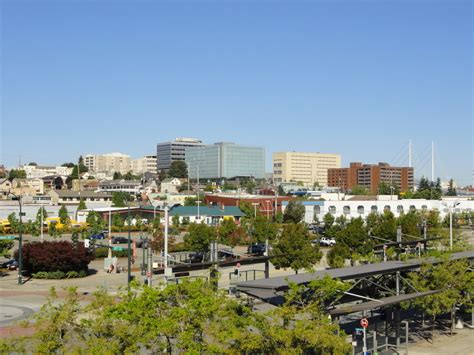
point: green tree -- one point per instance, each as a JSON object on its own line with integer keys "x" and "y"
{"x": 199, "y": 237}
{"x": 94, "y": 221}
{"x": 117, "y": 220}
{"x": 328, "y": 220}
{"x": 293, "y": 249}
{"x": 294, "y": 212}
{"x": 14, "y": 222}
{"x": 452, "y": 279}
{"x": 388, "y": 189}
{"x": 190, "y": 201}
{"x": 5, "y": 246}
{"x": 359, "y": 190}
{"x": 382, "y": 225}
{"x": 355, "y": 237}
{"x": 120, "y": 198}
{"x": 63, "y": 215}
{"x": 247, "y": 208}
{"x": 16, "y": 174}
{"x": 117, "y": 176}
{"x": 178, "y": 169}
{"x": 451, "y": 189}
{"x": 410, "y": 223}
{"x": 175, "y": 221}
{"x": 263, "y": 229}
{"x": 41, "y": 210}
{"x": 82, "y": 205}
{"x": 337, "y": 255}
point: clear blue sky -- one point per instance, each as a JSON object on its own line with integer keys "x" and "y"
{"x": 359, "y": 78}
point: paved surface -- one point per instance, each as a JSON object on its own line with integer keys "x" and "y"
{"x": 461, "y": 343}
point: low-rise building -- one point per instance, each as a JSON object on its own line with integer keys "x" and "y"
{"x": 5, "y": 188}
{"x": 205, "y": 214}
{"x": 170, "y": 185}
{"x": 30, "y": 187}
{"x": 144, "y": 165}
{"x": 108, "y": 163}
{"x": 130, "y": 186}
{"x": 41, "y": 171}
{"x": 68, "y": 197}
{"x": 265, "y": 204}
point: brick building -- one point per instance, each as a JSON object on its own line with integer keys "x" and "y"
{"x": 371, "y": 176}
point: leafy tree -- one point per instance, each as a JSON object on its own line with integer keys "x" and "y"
{"x": 190, "y": 201}
{"x": 16, "y": 174}
{"x": 14, "y": 222}
{"x": 328, "y": 220}
{"x": 5, "y": 246}
{"x": 55, "y": 256}
{"x": 247, "y": 208}
{"x": 452, "y": 279}
{"x": 354, "y": 236}
{"x": 117, "y": 176}
{"x": 199, "y": 237}
{"x": 263, "y": 229}
{"x": 294, "y": 212}
{"x": 41, "y": 210}
{"x": 63, "y": 215}
{"x": 230, "y": 233}
{"x": 279, "y": 217}
{"x": 382, "y": 225}
{"x": 451, "y": 189}
{"x": 281, "y": 191}
{"x": 32, "y": 164}
{"x": 82, "y": 205}
{"x": 120, "y": 198}
{"x": 337, "y": 255}
{"x": 293, "y": 249}
{"x": 410, "y": 223}
{"x": 68, "y": 165}
{"x": 388, "y": 189}
{"x": 359, "y": 190}
{"x": 250, "y": 186}
{"x": 130, "y": 176}
{"x": 117, "y": 220}
{"x": 175, "y": 221}
{"x": 178, "y": 169}
{"x": 95, "y": 222}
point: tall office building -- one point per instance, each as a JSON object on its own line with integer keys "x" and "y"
{"x": 308, "y": 168}
{"x": 168, "y": 152}
{"x": 225, "y": 160}
{"x": 371, "y": 175}
{"x": 108, "y": 163}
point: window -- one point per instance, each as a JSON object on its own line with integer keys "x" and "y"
{"x": 373, "y": 209}
{"x": 412, "y": 208}
{"x": 332, "y": 209}
{"x": 386, "y": 208}
{"x": 346, "y": 209}
{"x": 424, "y": 207}
{"x": 400, "y": 209}
{"x": 360, "y": 209}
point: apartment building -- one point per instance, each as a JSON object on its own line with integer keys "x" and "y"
{"x": 108, "y": 163}
{"x": 225, "y": 160}
{"x": 168, "y": 152}
{"x": 144, "y": 164}
{"x": 308, "y": 168}
{"x": 370, "y": 176}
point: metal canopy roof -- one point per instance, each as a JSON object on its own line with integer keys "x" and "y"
{"x": 382, "y": 302}
{"x": 264, "y": 288}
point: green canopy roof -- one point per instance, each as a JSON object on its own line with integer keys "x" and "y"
{"x": 188, "y": 211}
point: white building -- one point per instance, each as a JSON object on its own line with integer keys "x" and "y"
{"x": 108, "y": 163}
{"x": 362, "y": 208}
{"x": 170, "y": 185}
{"x": 40, "y": 171}
{"x": 130, "y": 186}
{"x": 144, "y": 164}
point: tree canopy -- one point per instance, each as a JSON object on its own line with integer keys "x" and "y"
{"x": 294, "y": 212}
{"x": 178, "y": 169}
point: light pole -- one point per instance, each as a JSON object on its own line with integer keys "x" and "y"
{"x": 255, "y": 204}
{"x": 109, "y": 255}
{"x": 451, "y": 208}
{"x": 20, "y": 241}
{"x": 129, "y": 261}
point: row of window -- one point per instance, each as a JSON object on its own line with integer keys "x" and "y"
{"x": 361, "y": 209}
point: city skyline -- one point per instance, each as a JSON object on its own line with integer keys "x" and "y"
{"x": 354, "y": 78}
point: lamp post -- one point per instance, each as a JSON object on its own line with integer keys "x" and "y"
{"x": 451, "y": 208}
{"x": 129, "y": 261}
{"x": 20, "y": 241}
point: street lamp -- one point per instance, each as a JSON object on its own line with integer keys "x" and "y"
{"x": 20, "y": 242}
{"x": 451, "y": 208}
{"x": 129, "y": 261}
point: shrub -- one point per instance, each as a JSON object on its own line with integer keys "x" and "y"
{"x": 55, "y": 256}
{"x": 104, "y": 252}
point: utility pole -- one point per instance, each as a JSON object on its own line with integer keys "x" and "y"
{"x": 109, "y": 255}
{"x": 129, "y": 261}
{"x": 42, "y": 213}
{"x": 149, "y": 263}
{"x": 166, "y": 239}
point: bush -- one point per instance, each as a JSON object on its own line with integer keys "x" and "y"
{"x": 55, "y": 256}
{"x": 57, "y": 275}
{"x": 104, "y": 252}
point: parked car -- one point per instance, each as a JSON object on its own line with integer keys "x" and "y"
{"x": 119, "y": 240}
{"x": 256, "y": 249}
{"x": 97, "y": 236}
{"x": 327, "y": 242}
{"x": 10, "y": 264}
{"x": 196, "y": 258}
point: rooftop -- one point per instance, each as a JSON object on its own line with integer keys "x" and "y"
{"x": 187, "y": 211}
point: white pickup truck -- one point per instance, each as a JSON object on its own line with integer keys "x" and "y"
{"x": 327, "y": 242}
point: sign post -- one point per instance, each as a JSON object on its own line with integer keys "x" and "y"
{"x": 364, "y": 322}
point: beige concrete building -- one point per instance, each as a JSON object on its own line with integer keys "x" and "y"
{"x": 308, "y": 168}
{"x": 144, "y": 165}
{"x": 108, "y": 163}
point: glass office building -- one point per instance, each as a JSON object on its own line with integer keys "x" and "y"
{"x": 225, "y": 160}
{"x": 168, "y": 152}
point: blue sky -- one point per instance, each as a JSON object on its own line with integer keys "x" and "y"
{"x": 359, "y": 78}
